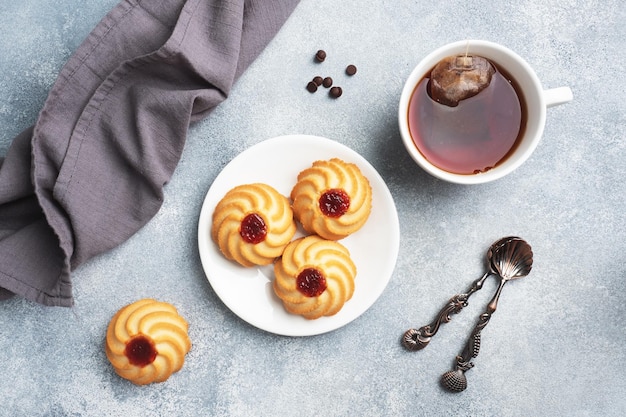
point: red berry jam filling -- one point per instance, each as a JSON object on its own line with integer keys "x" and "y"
{"x": 334, "y": 202}
{"x": 253, "y": 229}
{"x": 311, "y": 282}
{"x": 140, "y": 351}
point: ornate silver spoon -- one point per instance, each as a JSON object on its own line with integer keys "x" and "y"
{"x": 511, "y": 260}
{"x": 417, "y": 339}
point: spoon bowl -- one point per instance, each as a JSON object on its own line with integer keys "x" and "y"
{"x": 511, "y": 258}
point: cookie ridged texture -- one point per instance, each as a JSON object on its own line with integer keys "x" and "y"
{"x": 327, "y": 256}
{"x": 322, "y": 176}
{"x": 266, "y": 202}
{"x": 158, "y": 322}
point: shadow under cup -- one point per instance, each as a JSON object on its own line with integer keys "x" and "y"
{"x": 529, "y": 87}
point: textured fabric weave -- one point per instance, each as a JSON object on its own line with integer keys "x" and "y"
{"x": 91, "y": 171}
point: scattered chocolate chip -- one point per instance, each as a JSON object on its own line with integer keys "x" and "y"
{"x": 327, "y": 82}
{"x": 336, "y": 92}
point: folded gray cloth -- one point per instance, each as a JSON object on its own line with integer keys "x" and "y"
{"x": 91, "y": 172}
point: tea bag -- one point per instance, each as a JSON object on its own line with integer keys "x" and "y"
{"x": 456, "y": 78}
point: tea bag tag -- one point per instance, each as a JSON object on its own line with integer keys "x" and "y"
{"x": 456, "y": 78}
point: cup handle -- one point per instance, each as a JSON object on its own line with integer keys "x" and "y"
{"x": 556, "y": 96}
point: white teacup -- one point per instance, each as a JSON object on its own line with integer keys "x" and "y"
{"x": 537, "y": 100}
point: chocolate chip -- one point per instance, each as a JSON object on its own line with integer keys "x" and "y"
{"x": 318, "y": 80}
{"x": 336, "y": 92}
{"x": 327, "y": 82}
{"x": 311, "y": 87}
{"x": 350, "y": 69}
{"x": 320, "y": 56}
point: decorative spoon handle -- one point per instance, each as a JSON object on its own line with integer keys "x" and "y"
{"x": 455, "y": 380}
{"x": 472, "y": 347}
{"x": 417, "y": 339}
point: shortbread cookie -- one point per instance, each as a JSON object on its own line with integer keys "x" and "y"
{"x": 332, "y": 199}
{"x": 252, "y": 224}
{"x": 314, "y": 277}
{"x": 147, "y": 341}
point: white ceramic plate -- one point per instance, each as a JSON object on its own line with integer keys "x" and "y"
{"x": 248, "y": 291}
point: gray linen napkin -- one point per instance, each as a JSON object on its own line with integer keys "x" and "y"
{"x": 91, "y": 171}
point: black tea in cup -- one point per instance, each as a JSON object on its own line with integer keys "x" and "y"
{"x": 466, "y": 115}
